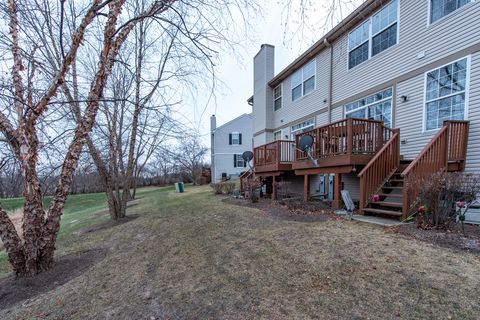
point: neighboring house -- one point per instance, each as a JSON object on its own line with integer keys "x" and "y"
{"x": 399, "y": 64}
{"x": 228, "y": 142}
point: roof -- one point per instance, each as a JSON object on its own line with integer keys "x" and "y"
{"x": 229, "y": 122}
{"x": 365, "y": 9}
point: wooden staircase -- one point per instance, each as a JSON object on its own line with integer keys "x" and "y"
{"x": 396, "y": 181}
{"x": 390, "y": 203}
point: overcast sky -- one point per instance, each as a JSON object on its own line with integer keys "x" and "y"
{"x": 236, "y": 72}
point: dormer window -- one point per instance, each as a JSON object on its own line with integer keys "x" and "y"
{"x": 303, "y": 81}
{"x": 375, "y": 35}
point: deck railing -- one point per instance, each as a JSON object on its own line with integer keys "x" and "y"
{"x": 277, "y": 152}
{"x": 346, "y": 137}
{"x": 382, "y": 166}
{"x": 449, "y": 144}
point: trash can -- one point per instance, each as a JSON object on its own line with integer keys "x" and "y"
{"x": 180, "y": 187}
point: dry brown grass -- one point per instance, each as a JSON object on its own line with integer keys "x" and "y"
{"x": 192, "y": 256}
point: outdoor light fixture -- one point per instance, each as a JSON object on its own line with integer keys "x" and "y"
{"x": 404, "y": 98}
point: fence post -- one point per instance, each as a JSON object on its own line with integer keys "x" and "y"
{"x": 349, "y": 136}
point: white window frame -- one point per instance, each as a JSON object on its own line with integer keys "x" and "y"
{"x": 293, "y": 132}
{"x": 429, "y": 15}
{"x": 280, "y": 97}
{"x": 276, "y": 132}
{"x": 237, "y": 134}
{"x": 371, "y": 35}
{"x": 301, "y": 70}
{"x": 239, "y": 159}
{"x": 366, "y": 106}
{"x": 467, "y": 92}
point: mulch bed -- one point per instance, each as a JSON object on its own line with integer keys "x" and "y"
{"x": 14, "y": 290}
{"x": 453, "y": 239}
{"x": 277, "y": 210}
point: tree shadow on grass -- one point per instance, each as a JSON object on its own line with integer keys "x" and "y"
{"x": 14, "y": 290}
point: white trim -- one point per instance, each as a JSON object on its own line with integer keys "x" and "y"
{"x": 277, "y": 132}
{"x": 301, "y": 85}
{"x": 467, "y": 92}
{"x": 429, "y": 11}
{"x": 281, "y": 96}
{"x": 237, "y": 133}
{"x": 365, "y": 107}
{"x": 371, "y": 35}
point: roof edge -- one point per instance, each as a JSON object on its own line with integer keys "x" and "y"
{"x": 339, "y": 30}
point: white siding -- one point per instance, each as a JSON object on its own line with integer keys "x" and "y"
{"x": 223, "y": 151}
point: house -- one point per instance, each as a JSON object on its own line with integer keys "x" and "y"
{"x": 390, "y": 95}
{"x": 228, "y": 142}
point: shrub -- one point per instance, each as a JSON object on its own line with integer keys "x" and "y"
{"x": 223, "y": 187}
{"x": 228, "y": 187}
{"x": 254, "y": 186}
{"x": 439, "y": 195}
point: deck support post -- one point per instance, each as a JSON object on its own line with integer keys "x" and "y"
{"x": 274, "y": 188}
{"x": 337, "y": 195}
{"x": 306, "y": 188}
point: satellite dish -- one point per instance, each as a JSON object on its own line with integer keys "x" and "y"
{"x": 247, "y": 156}
{"x": 306, "y": 143}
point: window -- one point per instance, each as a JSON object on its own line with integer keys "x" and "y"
{"x": 303, "y": 81}
{"x": 235, "y": 138}
{"x": 277, "y": 135}
{"x": 302, "y": 127}
{"x": 441, "y": 8}
{"x": 375, "y": 107}
{"x": 445, "y": 94}
{"x": 380, "y": 32}
{"x": 238, "y": 161}
{"x": 277, "y": 97}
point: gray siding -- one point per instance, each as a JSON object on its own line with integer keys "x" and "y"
{"x": 409, "y": 116}
{"x": 311, "y": 103}
{"x": 473, "y": 151}
{"x": 447, "y": 36}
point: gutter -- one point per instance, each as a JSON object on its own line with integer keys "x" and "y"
{"x": 339, "y": 30}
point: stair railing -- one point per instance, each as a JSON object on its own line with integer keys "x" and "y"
{"x": 449, "y": 144}
{"x": 382, "y": 166}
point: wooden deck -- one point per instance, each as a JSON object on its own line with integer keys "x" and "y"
{"x": 342, "y": 144}
{"x": 273, "y": 158}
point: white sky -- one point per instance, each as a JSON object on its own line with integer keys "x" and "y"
{"x": 231, "y": 100}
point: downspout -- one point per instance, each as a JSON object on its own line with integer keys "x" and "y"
{"x": 330, "y": 81}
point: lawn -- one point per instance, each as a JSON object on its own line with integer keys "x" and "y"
{"x": 192, "y": 256}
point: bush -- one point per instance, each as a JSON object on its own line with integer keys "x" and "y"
{"x": 254, "y": 186}
{"x": 439, "y": 195}
{"x": 223, "y": 187}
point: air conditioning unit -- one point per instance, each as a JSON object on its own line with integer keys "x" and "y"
{"x": 473, "y": 214}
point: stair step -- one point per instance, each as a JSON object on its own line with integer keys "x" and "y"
{"x": 381, "y": 211}
{"x": 396, "y": 180}
{"x": 393, "y": 195}
{"x": 388, "y": 204}
{"x": 393, "y": 188}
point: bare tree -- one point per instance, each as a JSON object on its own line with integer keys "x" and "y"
{"x": 43, "y": 54}
{"x": 32, "y": 98}
{"x": 190, "y": 155}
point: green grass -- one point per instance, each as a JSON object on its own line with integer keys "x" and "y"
{"x": 80, "y": 211}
